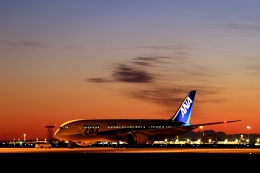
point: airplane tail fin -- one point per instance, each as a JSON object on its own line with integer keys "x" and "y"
{"x": 184, "y": 112}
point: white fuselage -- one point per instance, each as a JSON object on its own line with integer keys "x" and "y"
{"x": 91, "y": 131}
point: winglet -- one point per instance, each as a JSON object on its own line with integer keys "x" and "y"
{"x": 184, "y": 112}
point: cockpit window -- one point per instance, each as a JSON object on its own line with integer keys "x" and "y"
{"x": 64, "y": 127}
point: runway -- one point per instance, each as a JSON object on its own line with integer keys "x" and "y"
{"x": 133, "y": 150}
{"x": 131, "y": 159}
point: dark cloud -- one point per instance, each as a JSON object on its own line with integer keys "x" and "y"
{"x": 163, "y": 96}
{"x": 138, "y": 69}
{"x": 170, "y": 98}
{"x": 132, "y": 72}
{"x": 180, "y": 46}
{"x": 98, "y": 80}
{"x": 129, "y": 74}
{"x": 173, "y": 73}
{"x": 173, "y": 96}
{"x": 22, "y": 43}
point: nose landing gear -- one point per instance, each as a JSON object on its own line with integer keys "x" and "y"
{"x": 70, "y": 145}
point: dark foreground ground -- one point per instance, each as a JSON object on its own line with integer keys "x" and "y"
{"x": 129, "y": 162}
{"x": 132, "y": 162}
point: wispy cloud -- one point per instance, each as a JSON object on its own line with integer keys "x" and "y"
{"x": 163, "y": 79}
{"x": 136, "y": 70}
{"x": 244, "y": 27}
{"x": 150, "y": 60}
{"x": 249, "y": 66}
{"x": 171, "y": 45}
{"x": 244, "y": 23}
{"x": 98, "y": 80}
{"x": 254, "y": 69}
{"x": 24, "y": 43}
{"x": 163, "y": 47}
{"x": 71, "y": 47}
{"x": 171, "y": 96}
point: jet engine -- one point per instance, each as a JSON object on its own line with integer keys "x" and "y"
{"x": 136, "y": 138}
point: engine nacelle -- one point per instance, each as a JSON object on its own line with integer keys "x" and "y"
{"x": 84, "y": 143}
{"x": 136, "y": 138}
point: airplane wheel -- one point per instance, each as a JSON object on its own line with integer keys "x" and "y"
{"x": 70, "y": 145}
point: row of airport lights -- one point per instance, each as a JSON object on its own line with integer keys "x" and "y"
{"x": 201, "y": 127}
{"x": 248, "y": 128}
{"x": 24, "y": 136}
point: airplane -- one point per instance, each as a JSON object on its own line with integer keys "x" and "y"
{"x": 134, "y": 132}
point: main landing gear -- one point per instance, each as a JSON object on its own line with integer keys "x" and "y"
{"x": 70, "y": 145}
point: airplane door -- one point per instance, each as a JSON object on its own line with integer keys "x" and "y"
{"x": 79, "y": 128}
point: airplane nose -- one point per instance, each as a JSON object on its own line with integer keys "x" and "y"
{"x": 56, "y": 133}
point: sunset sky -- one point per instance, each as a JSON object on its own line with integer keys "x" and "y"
{"x": 62, "y": 60}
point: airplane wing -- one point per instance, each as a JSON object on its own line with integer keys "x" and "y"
{"x": 178, "y": 129}
{"x": 221, "y": 122}
{"x": 185, "y": 127}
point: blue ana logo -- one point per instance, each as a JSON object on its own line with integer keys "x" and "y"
{"x": 185, "y": 106}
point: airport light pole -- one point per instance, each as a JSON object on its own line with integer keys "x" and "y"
{"x": 38, "y": 134}
{"x": 201, "y": 127}
{"x": 248, "y": 128}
